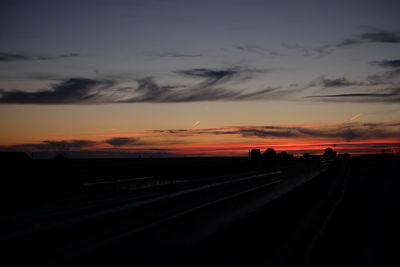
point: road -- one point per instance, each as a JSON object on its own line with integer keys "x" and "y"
{"x": 267, "y": 218}
{"x": 59, "y": 235}
{"x": 346, "y": 217}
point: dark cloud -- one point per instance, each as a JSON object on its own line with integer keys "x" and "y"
{"x": 321, "y": 84}
{"x": 249, "y": 48}
{"x": 71, "y": 91}
{"x": 388, "y": 63}
{"x": 123, "y": 141}
{"x": 9, "y": 57}
{"x": 381, "y": 37}
{"x": 288, "y": 133}
{"x": 363, "y": 91}
{"x": 261, "y": 94}
{"x": 316, "y": 52}
{"x": 215, "y": 87}
{"x": 118, "y": 143}
{"x": 191, "y": 132}
{"x": 73, "y": 144}
{"x": 389, "y": 95}
{"x": 134, "y": 141}
{"x": 354, "y": 95}
{"x": 345, "y": 131}
{"x": 256, "y": 49}
{"x": 216, "y": 77}
{"x": 89, "y": 91}
{"x": 339, "y": 82}
{"x": 52, "y": 146}
{"x": 372, "y": 36}
{"x": 178, "y": 55}
{"x": 348, "y": 42}
{"x": 380, "y": 124}
{"x": 149, "y": 91}
{"x": 386, "y": 77}
{"x": 57, "y": 57}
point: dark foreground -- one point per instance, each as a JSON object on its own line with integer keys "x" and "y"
{"x": 203, "y": 212}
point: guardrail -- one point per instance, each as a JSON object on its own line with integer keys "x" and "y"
{"x": 126, "y": 184}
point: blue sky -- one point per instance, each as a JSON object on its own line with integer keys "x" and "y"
{"x": 142, "y": 38}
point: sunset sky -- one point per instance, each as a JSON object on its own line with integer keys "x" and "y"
{"x": 199, "y": 78}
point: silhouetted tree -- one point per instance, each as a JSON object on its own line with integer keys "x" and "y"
{"x": 284, "y": 156}
{"x": 306, "y": 156}
{"x": 329, "y": 153}
{"x": 269, "y": 154}
{"x": 255, "y": 153}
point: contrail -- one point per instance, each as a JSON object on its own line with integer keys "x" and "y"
{"x": 195, "y": 124}
{"x": 354, "y": 117}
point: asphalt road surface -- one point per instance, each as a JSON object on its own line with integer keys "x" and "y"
{"x": 339, "y": 215}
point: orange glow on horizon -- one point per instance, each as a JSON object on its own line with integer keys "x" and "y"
{"x": 233, "y": 140}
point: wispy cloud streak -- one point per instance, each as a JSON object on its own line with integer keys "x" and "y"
{"x": 10, "y": 57}
{"x": 353, "y": 137}
{"x": 70, "y": 91}
{"x": 388, "y": 95}
{"x": 347, "y": 131}
{"x": 372, "y": 36}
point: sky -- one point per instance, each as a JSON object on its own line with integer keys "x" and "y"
{"x": 199, "y": 78}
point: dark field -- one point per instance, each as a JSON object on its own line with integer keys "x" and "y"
{"x": 201, "y": 212}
